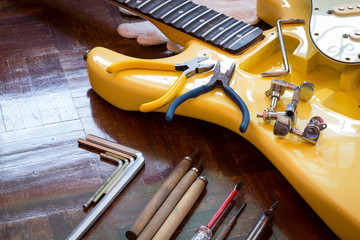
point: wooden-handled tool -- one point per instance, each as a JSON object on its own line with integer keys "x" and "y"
{"x": 160, "y": 216}
{"x": 155, "y": 202}
{"x": 181, "y": 209}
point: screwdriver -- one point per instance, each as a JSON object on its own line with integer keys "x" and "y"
{"x": 230, "y": 224}
{"x": 262, "y": 224}
{"x": 204, "y": 232}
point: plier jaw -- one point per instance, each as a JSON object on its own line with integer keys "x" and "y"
{"x": 194, "y": 66}
{"x": 189, "y": 69}
{"x": 220, "y": 80}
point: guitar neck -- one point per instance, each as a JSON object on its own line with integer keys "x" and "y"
{"x": 198, "y": 21}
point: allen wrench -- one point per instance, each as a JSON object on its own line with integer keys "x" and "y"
{"x": 136, "y": 161}
{"x": 282, "y": 47}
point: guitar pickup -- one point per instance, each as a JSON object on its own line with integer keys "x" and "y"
{"x": 355, "y": 35}
{"x": 347, "y": 9}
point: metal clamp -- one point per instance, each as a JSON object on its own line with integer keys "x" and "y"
{"x": 282, "y": 47}
{"x": 311, "y": 132}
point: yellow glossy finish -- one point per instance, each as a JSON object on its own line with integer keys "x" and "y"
{"x": 167, "y": 97}
{"x": 140, "y": 64}
{"x": 326, "y": 174}
{"x": 151, "y": 65}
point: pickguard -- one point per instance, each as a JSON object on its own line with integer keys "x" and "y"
{"x": 335, "y": 29}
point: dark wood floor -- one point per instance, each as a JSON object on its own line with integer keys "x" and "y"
{"x": 46, "y": 104}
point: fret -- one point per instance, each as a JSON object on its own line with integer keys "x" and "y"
{"x": 164, "y": 9}
{"x": 233, "y": 44}
{"x": 179, "y": 11}
{"x": 215, "y": 28}
{"x": 206, "y": 22}
{"x": 183, "y": 15}
{"x": 233, "y": 34}
{"x": 226, "y": 29}
{"x": 159, "y": 6}
{"x": 174, "y": 9}
{"x": 198, "y": 16}
{"x": 132, "y": 3}
{"x": 217, "y": 25}
{"x": 143, "y": 4}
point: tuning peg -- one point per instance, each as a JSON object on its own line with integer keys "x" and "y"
{"x": 304, "y": 92}
{"x": 276, "y": 90}
{"x": 278, "y": 87}
{"x": 311, "y": 132}
{"x": 268, "y": 115}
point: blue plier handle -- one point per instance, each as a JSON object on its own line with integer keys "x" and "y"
{"x": 218, "y": 80}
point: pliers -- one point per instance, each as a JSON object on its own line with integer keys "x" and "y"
{"x": 189, "y": 69}
{"x": 220, "y": 80}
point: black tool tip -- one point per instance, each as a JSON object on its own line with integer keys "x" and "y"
{"x": 238, "y": 186}
{"x": 274, "y": 205}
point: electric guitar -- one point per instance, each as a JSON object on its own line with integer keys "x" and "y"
{"x": 326, "y": 174}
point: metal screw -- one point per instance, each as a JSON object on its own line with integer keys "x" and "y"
{"x": 341, "y": 8}
{"x": 345, "y": 35}
{"x": 330, "y": 12}
{"x": 350, "y": 7}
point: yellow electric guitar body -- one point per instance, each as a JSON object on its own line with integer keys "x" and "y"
{"x": 327, "y": 173}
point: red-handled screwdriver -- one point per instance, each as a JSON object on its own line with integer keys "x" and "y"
{"x": 204, "y": 232}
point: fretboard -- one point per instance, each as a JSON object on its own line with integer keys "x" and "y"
{"x": 222, "y": 31}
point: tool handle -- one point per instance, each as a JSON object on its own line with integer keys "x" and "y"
{"x": 260, "y": 227}
{"x": 159, "y": 197}
{"x": 140, "y": 64}
{"x": 190, "y": 94}
{"x": 222, "y": 209}
{"x": 181, "y": 209}
{"x": 224, "y": 232}
{"x": 169, "y": 204}
{"x": 167, "y": 97}
{"x": 202, "y": 233}
{"x": 241, "y": 104}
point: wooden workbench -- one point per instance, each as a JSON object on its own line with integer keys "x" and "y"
{"x": 46, "y": 104}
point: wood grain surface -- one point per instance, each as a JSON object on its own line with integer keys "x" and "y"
{"x": 46, "y": 104}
